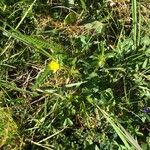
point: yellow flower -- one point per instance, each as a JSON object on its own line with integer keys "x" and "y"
{"x": 53, "y": 65}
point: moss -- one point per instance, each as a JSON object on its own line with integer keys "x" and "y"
{"x": 8, "y": 129}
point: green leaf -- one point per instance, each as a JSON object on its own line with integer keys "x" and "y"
{"x": 83, "y": 4}
{"x": 126, "y": 138}
{"x": 145, "y": 64}
{"x": 147, "y": 52}
{"x": 34, "y": 42}
{"x": 145, "y": 40}
{"x": 75, "y": 84}
{"x": 96, "y": 148}
{"x": 67, "y": 122}
{"x": 12, "y": 86}
{"x": 70, "y": 18}
{"x": 42, "y": 77}
{"x": 71, "y": 2}
{"x": 89, "y": 99}
{"x": 96, "y": 25}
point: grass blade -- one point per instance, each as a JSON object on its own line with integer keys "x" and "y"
{"x": 36, "y": 43}
{"x": 122, "y": 133}
{"x": 134, "y": 17}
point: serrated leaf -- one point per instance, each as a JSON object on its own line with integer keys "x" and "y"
{"x": 37, "y": 43}
{"x": 41, "y": 78}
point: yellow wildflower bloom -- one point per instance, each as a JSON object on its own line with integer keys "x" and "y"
{"x": 53, "y": 65}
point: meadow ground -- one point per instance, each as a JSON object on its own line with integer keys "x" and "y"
{"x": 74, "y": 74}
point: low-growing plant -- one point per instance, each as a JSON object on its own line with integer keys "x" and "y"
{"x": 75, "y": 75}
